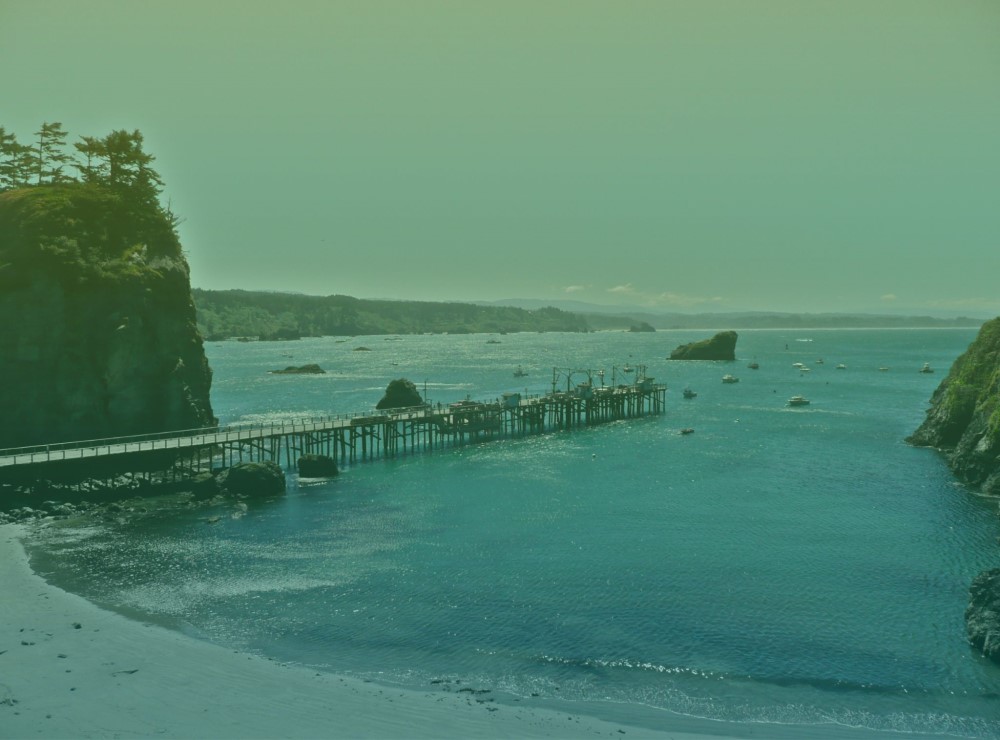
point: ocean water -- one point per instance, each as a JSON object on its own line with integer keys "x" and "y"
{"x": 778, "y": 565}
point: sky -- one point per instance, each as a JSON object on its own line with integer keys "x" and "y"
{"x": 679, "y": 155}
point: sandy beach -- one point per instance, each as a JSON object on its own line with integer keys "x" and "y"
{"x": 69, "y": 669}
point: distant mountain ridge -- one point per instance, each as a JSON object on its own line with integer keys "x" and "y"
{"x": 603, "y": 316}
{"x": 224, "y": 314}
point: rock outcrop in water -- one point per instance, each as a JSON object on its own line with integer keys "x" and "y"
{"x": 97, "y": 324}
{"x": 964, "y": 418}
{"x": 982, "y": 617}
{"x": 399, "y": 394}
{"x": 720, "y": 347}
{"x": 254, "y": 479}
{"x": 311, "y": 369}
{"x": 317, "y": 466}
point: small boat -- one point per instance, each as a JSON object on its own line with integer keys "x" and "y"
{"x": 798, "y": 401}
{"x": 520, "y": 372}
{"x": 926, "y": 368}
{"x": 627, "y": 368}
{"x": 730, "y": 379}
{"x": 688, "y": 393}
{"x": 883, "y": 369}
{"x": 805, "y": 369}
{"x": 753, "y": 365}
{"x": 841, "y": 366}
{"x": 798, "y": 365}
{"x": 819, "y": 361}
{"x": 493, "y": 341}
{"x": 687, "y": 430}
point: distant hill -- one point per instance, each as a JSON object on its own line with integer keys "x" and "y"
{"x": 224, "y": 314}
{"x": 604, "y": 317}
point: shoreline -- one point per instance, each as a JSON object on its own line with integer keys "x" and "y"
{"x": 71, "y": 669}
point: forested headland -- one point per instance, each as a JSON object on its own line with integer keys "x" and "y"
{"x": 225, "y": 314}
{"x": 98, "y": 330}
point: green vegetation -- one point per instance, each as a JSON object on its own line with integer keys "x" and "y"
{"x": 239, "y": 313}
{"x": 108, "y": 223}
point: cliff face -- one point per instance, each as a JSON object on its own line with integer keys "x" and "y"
{"x": 97, "y": 325}
{"x": 964, "y": 418}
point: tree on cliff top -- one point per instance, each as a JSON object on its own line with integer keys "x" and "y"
{"x": 117, "y": 161}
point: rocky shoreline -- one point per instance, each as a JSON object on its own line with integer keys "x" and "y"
{"x": 963, "y": 423}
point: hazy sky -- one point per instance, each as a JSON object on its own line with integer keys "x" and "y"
{"x": 682, "y": 154}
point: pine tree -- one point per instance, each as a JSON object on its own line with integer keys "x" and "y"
{"x": 18, "y": 162}
{"x": 51, "y": 159}
{"x": 93, "y": 149}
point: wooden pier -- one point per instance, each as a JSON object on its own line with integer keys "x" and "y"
{"x": 345, "y": 438}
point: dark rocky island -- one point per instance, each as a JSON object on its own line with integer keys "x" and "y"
{"x": 311, "y": 369}
{"x": 98, "y": 333}
{"x": 720, "y": 347}
{"x": 399, "y": 394}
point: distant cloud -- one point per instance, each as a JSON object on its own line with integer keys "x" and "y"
{"x": 664, "y": 299}
{"x": 889, "y": 297}
{"x": 574, "y": 288}
{"x": 682, "y": 301}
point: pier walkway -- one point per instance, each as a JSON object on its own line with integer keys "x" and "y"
{"x": 346, "y": 438}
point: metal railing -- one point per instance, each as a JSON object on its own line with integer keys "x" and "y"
{"x": 247, "y": 430}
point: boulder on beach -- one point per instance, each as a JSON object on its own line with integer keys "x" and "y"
{"x": 720, "y": 347}
{"x": 317, "y": 466}
{"x": 982, "y": 616}
{"x": 253, "y": 479}
{"x": 400, "y": 394}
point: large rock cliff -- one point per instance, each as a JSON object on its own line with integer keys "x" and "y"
{"x": 97, "y": 325}
{"x": 964, "y": 418}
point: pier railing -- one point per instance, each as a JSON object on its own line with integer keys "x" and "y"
{"x": 347, "y": 437}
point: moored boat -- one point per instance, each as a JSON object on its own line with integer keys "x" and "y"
{"x": 798, "y": 401}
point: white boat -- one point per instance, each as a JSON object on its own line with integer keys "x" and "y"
{"x": 798, "y": 365}
{"x": 841, "y": 366}
{"x": 798, "y": 401}
{"x": 926, "y": 368}
{"x": 626, "y": 368}
{"x": 883, "y": 369}
{"x": 730, "y": 379}
{"x": 520, "y": 373}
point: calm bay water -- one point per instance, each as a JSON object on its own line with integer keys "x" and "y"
{"x": 778, "y": 565}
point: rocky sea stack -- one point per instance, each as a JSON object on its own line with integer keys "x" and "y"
{"x": 964, "y": 418}
{"x": 720, "y": 347}
{"x": 400, "y": 394}
{"x": 98, "y": 334}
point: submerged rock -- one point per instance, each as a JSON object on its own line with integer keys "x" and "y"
{"x": 253, "y": 479}
{"x": 982, "y": 616}
{"x": 317, "y": 466}
{"x": 720, "y": 347}
{"x": 400, "y": 394}
{"x": 311, "y": 369}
